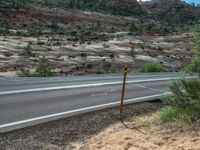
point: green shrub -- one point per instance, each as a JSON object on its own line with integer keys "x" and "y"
{"x": 89, "y": 65}
{"x": 151, "y": 68}
{"x": 132, "y": 53}
{"x": 184, "y": 102}
{"x": 43, "y": 70}
{"x": 6, "y": 28}
{"x": 132, "y": 27}
{"x": 169, "y": 114}
{"x": 21, "y": 33}
{"x": 111, "y": 55}
{"x": 26, "y": 73}
{"x": 141, "y": 46}
{"x": 41, "y": 43}
{"x": 89, "y": 43}
{"x": 109, "y": 68}
{"x": 164, "y": 30}
{"x": 83, "y": 54}
{"x": 28, "y": 51}
{"x": 194, "y": 67}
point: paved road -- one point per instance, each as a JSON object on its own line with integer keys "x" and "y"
{"x": 29, "y": 101}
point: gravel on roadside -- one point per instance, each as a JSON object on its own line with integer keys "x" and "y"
{"x": 71, "y": 133}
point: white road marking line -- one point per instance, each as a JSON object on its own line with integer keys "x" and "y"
{"x": 91, "y": 77}
{"x": 100, "y": 94}
{"x": 84, "y": 85}
{"x": 79, "y": 110}
{"x": 137, "y": 76}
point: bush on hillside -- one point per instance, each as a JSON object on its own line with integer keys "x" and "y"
{"x": 194, "y": 67}
{"x": 151, "y": 67}
{"x": 132, "y": 27}
{"x": 43, "y": 70}
{"x": 28, "y": 51}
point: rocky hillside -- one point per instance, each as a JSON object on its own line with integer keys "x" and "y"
{"x": 68, "y": 14}
{"x": 116, "y": 7}
{"x": 173, "y": 11}
{"x": 95, "y": 36}
{"x": 74, "y": 58}
{"x": 156, "y": 16}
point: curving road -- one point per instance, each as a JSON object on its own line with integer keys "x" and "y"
{"x": 29, "y": 101}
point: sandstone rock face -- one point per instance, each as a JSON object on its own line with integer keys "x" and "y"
{"x": 73, "y": 58}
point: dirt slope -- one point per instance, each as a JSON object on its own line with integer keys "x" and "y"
{"x": 145, "y": 133}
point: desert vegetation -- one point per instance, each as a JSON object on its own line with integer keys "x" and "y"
{"x": 194, "y": 67}
{"x": 44, "y": 69}
{"x": 152, "y": 68}
{"x": 184, "y": 102}
{"x": 103, "y": 6}
{"x": 45, "y": 38}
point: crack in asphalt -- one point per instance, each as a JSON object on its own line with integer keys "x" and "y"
{"x": 149, "y": 88}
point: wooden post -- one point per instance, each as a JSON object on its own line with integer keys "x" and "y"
{"x": 123, "y": 88}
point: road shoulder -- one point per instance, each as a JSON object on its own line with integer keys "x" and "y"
{"x": 71, "y": 133}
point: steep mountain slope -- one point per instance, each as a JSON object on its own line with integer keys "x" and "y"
{"x": 95, "y": 36}
{"x": 157, "y": 16}
{"x": 116, "y": 7}
{"x": 173, "y": 11}
{"x": 65, "y": 18}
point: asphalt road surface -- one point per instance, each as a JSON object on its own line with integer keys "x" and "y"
{"x": 29, "y": 101}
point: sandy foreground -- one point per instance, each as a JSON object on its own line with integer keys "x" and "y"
{"x": 145, "y": 133}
